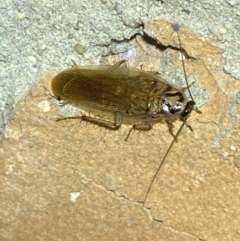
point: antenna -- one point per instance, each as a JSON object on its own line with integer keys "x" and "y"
{"x": 176, "y": 28}
{"x": 163, "y": 160}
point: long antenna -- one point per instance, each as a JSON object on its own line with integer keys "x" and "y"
{"x": 183, "y": 64}
{"x": 176, "y": 28}
{"x": 163, "y": 160}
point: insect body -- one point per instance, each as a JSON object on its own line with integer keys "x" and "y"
{"x": 126, "y": 93}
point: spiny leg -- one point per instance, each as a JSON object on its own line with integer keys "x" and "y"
{"x": 107, "y": 124}
{"x": 191, "y": 129}
{"x": 141, "y": 127}
{"x": 170, "y": 129}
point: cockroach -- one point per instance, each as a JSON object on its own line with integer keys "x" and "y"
{"x": 126, "y": 94}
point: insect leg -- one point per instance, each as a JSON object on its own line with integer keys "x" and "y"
{"x": 108, "y": 124}
{"x": 190, "y": 85}
{"x": 187, "y": 125}
{"x": 69, "y": 117}
{"x": 170, "y": 129}
{"x": 121, "y": 63}
{"x": 141, "y": 127}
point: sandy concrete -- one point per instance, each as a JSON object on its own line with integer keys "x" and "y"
{"x": 75, "y": 181}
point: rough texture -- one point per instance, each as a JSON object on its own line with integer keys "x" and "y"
{"x": 38, "y": 36}
{"x": 75, "y": 181}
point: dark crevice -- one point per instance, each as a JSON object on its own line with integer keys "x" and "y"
{"x": 151, "y": 41}
{"x": 157, "y": 44}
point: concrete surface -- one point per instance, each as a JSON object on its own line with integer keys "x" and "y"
{"x": 75, "y": 181}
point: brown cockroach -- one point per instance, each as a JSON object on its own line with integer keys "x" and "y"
{"x": 126, "y": 93}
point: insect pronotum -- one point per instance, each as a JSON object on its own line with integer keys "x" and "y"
{"x": 125, "y": 93}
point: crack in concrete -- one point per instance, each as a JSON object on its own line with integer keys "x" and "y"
{"x": 147, "y": 209}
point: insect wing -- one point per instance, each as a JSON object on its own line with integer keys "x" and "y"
{"x": 108, "y": 88}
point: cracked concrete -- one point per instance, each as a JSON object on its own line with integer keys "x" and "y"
{"x": 71, "y": 181}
